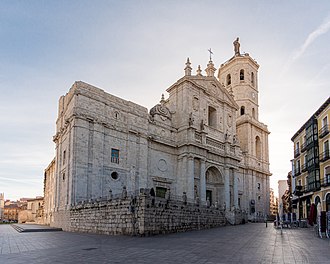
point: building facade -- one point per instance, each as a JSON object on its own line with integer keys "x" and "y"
{"x": 273, "y": 203}
{"x": 2, "y": 205}
{"x": 33, "y": 212}
{"x": 203, "y": 144}
{"x": 311, "y": 164}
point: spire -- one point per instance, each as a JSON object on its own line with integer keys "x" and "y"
{"x": 188, "y": 69}
{"x": 162, "y": 100}
{"x": 199, "y": 71}
{"x": 210, "y": 70}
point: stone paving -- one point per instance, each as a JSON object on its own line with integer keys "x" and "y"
{"x": 250, "y": 243}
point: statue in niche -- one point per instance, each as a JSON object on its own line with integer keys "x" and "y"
{"x": 202, "y": 125}
{"x": 191, "y": 119}
{"x": 110, "y": 194}
{"x": 235, "y": 139}
{"x": 124, "y": 193}
{"x": 207, "y": 202}
{"x": 227, "y": 135}
{"x": 184, "y": 198}
{"x": 168, "y": 194}
{"x": 195, "y": 103}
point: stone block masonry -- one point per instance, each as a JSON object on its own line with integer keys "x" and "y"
{"x": 142, "y": 216}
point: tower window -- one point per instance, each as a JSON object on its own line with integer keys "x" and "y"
{"x": 228, "y": 79}
{"x": 253, "y": 113}
{"x": 252, "y": 78}
{"x": 212, "y": 117}
{"x": 115, "y": 156}
{"x": 258, "y": 147}
{"x": 241, "y": 75}
{"x": 64, "y": 156}
{"x": 242, "y": 110}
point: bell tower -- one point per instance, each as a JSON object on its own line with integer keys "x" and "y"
{"x": 240, "y": 77}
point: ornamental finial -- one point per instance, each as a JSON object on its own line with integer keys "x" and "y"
{"x": 188, "y": 69}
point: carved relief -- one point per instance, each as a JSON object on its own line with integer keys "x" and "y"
{"x": 162, "y": 111}
{"x": 162, "y": 165}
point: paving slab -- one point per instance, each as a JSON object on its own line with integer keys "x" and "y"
{"x": 250, "y": 243}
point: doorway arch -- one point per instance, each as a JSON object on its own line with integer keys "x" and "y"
{"x": 214, "y": 186}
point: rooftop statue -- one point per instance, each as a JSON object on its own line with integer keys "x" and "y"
{"x": 236, "y": 47}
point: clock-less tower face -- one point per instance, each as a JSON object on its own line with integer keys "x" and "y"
{"x": 239, "y": 75}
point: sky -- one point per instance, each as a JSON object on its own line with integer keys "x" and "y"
{"x": 136, "y": 50}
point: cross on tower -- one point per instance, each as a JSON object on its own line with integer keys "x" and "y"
{"x": 209, "y": 50}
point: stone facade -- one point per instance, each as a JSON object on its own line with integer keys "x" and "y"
{"x": 34, "y": 212}
{"x": 142, "y": 215}
{"x": 2, "y": 205}
{"x": 189, "y": 145}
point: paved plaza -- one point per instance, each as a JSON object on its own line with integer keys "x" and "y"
{"x": 250, "y": 243}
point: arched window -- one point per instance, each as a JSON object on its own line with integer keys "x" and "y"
{"x": 327, "y": 174}
{"x": 241, "y": 75}
{"x": 212, "y": 117}
{"x": 252, "y": 78}
{"x": 242, "y": 110}
{"x": 253, "y": 113}
{"x": 258, "y": 147}
{"x": 228, "y": 79}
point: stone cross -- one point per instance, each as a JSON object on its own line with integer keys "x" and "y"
{"x": 209, "y": 50}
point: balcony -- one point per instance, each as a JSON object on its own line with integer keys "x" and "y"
{"x": 325, "y": 181}
{"x": 304, "y": 167}
{"x": 324, "y": 131}
{"x": 297, "y": 171}
{"x": 296, "y": 152}
{"x": 324, "y": 156}
{"x": 303, "y": 147}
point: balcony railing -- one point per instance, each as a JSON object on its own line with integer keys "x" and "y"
{"x": 303, "y": 147}
{"x": 296, "y": 152}
{"x": 324, "y": 156}
{"x": 325, "y": 181}
{"x": 304, "y": 167}
{"x": 297, "y": 171}
{"x": 324, "y": 131}
{"x": 311, "y": 187}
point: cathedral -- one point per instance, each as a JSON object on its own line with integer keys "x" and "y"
{"x": 203, "y": 143}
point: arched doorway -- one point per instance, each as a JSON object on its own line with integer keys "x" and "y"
{"x": 214, "y": 186}
{"x": 327, "y": 202}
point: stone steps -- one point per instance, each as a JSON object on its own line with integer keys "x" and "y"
{"x": 34, "y": 228}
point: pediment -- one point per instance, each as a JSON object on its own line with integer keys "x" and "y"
{"x": 210, "y": 85}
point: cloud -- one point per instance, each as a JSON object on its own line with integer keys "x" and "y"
{"x": 321, "y": 30}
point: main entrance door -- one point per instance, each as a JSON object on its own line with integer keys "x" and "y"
{"x": 214, "y": 186}
{"x": 209, "y": 196}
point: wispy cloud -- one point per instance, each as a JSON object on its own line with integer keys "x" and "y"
{"x": 320, "y": 30}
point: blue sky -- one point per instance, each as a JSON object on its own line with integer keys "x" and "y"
{"x": 136, "y": 50}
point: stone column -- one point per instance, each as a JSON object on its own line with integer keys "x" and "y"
{"x": 202, "y": 176}
{"x": 190, "y": 177}
{"x": 227, "y": 190}
{"x": 235, "y": 182}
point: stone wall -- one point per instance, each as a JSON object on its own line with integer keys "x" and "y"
{"x": 142, "y": 216}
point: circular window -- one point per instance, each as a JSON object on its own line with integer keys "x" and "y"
{"x": 114, "y": 175}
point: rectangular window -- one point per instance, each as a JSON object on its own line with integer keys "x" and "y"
{"x": 160, "y": 192}
{"x": 325, "y": 121}
{"x": 115, "y": 156}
